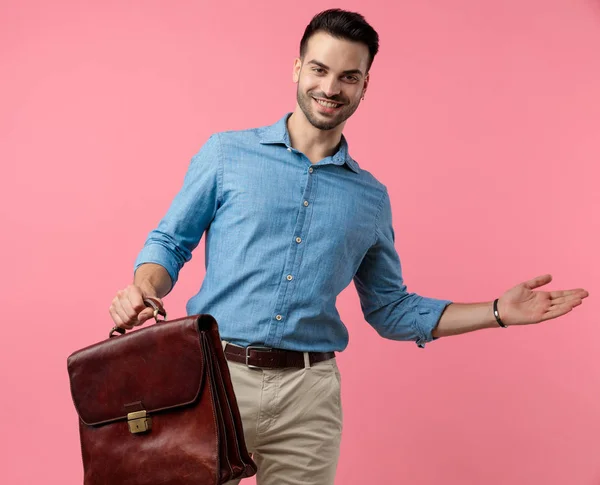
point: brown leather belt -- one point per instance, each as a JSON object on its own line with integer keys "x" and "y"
{"x": 265, "y": 357}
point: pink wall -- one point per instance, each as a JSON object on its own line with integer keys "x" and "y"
{"x": 483, "y": 120}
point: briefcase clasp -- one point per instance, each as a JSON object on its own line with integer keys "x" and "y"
{"x": 139, "y": 422}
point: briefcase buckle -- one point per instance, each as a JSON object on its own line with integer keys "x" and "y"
{"x": 139, "y": 422}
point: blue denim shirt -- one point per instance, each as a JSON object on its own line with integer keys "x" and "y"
{"x": 283, "y": 238}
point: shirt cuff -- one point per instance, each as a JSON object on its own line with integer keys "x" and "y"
{"x": 158, "y": 254}
{"x": 427, "y": 316}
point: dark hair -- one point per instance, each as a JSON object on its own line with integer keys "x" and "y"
{"x": 343, "y": 25}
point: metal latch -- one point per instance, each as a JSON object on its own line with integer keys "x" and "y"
{"x": 139, "y": 422}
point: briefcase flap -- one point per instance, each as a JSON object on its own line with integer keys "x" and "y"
{"x": 155, "y": 368}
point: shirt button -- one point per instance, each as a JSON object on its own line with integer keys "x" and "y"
{"x": 306, "y": 203}
{"x": 298, "y": 240}
{"x": 289, "y": 149}
{"x": 278, "y": 317}
{"x": 310, "y": 170}
{"x": 290, "y": 277}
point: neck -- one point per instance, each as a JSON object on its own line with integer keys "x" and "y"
{"x": 316, "y": 144}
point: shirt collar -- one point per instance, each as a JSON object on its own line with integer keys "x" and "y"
{"x": 278, "y": 133}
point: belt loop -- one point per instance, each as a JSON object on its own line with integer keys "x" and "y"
{"x": 306, "y": 360}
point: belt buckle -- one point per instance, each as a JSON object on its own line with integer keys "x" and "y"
{"x": 255, "y": 347}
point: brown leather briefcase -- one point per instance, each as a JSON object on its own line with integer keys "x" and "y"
{"x": 157, "y": 406}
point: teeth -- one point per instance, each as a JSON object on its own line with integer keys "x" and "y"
{"x": 326, "y": 104}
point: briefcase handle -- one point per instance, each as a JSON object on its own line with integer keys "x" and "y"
{"x": 151, "y": 302}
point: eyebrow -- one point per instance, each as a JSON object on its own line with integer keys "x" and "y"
{"x": 349, "y": 71}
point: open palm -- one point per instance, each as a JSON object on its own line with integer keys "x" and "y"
{"x": 522, "y": 305}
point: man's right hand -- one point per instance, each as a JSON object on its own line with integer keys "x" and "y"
{"x": 127, "y": 308}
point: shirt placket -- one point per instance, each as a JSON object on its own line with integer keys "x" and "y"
{"x": 280, "y": 314}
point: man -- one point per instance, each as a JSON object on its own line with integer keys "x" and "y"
{"x": 291, "y": 219}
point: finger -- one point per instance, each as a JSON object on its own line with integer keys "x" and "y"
{"x": 566, "y": 299}
{"x": 538, "y": 281}
{"x": 557, "y": 311}
{"x": 136, "y": 298}
{"x": 570, "y": 306}
{"x": 136, "y": 302}
{"x": 146, "y": 314}
{"x": 131, "y": 314}
{"x": 118, "y": 308}
{"x": 117, "y": 318}
{"x": 576, "y": 291}
{"x": 149, "y": 312}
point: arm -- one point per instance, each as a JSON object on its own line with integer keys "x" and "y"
{"x": 399, "y": 315}
{"x": 170, "y": 245}
{"x": 387, "y": 306}
{"x": 465, "y": 317}
{"x": 153, "y": 279}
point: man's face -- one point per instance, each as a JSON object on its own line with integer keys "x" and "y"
{"x": 331, "y": 79}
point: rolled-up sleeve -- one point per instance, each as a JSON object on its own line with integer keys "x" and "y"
{"x": 190, "y": 213}
{"x": 395, "y": 313}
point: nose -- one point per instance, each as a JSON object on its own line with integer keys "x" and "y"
{"x": 330, "y": 86}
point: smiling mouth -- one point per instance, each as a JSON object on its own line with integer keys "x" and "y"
{"x": 327, "y": 104}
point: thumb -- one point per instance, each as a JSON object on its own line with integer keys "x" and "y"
{"x": 538, "y": 281}
{"x": 145, "y": 314}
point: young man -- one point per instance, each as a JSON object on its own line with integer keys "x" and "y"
{"x": 290, "y": 221}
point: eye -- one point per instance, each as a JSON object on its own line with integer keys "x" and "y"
{"x": 352, "y": 79}
{"x": 318, "y": 70}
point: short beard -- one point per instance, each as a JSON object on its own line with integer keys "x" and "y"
{"x": 304, "y": 101}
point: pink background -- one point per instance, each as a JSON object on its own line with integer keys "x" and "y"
{"x": 483, "y": 120}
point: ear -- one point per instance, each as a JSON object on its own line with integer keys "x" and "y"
{"x": 366, "y": 85}
{"x": 297, "y": 68}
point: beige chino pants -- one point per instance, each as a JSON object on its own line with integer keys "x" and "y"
{"x": 292, "y": 421}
